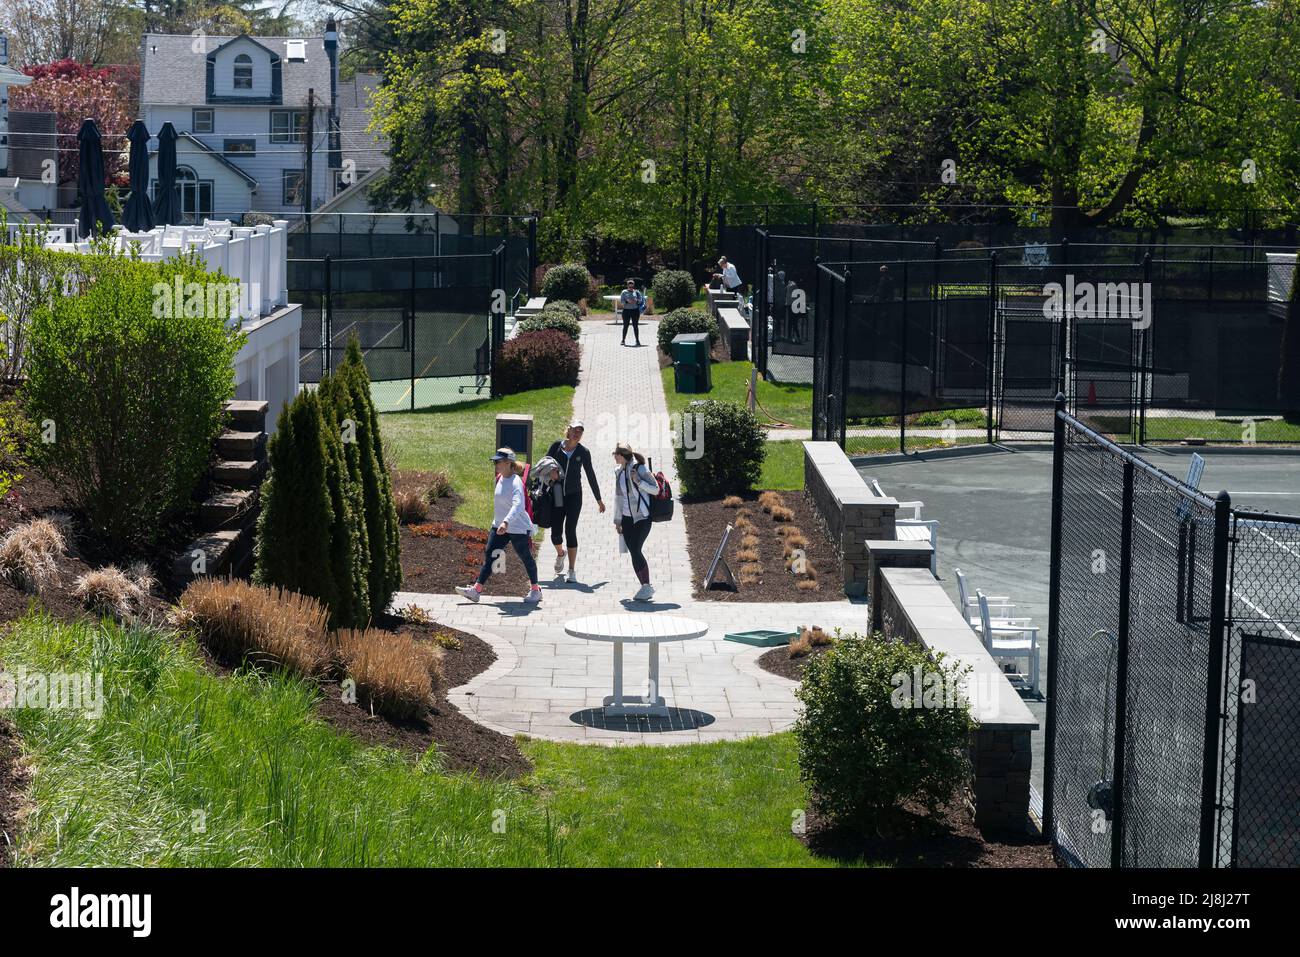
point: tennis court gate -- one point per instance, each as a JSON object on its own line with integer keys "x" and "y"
{"x": 427, "y": 321}
{"x": 1173, "y": 668}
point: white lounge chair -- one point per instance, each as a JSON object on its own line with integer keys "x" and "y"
{"x": 915, "y": 529}
{"x": 1014, "y": 641}
{"x": 1001, "y": 607}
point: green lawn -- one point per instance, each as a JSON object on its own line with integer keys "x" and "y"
{"x": 461, "y": 437}
{"x": 1178, "y": 428}
{"x": 187, "y": 768}
{"x": 791, "y": 404}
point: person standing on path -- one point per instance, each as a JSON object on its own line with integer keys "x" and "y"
{"x": 511, "y": 525}
{"x": 631, "y": 303}
{"x": 633, "y": 485}
{"x": 572, "y": 456}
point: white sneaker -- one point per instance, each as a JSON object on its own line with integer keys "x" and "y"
{"x": 534, "y": 596}
{"x": 570, "y": 578}
{"x": 468, "y": 591}
{"x": 559, "y": 562}
{"x": 644, "y": 593}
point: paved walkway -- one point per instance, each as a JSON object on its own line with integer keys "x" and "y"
{"x": 548, "y": 685}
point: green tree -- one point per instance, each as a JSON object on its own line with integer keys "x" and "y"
{"x": 344, "y": 420}
{"x": 382, "y": 527}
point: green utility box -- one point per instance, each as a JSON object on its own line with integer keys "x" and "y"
{"x": 691, "y": 362}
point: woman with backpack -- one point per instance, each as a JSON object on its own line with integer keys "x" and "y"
{"x": 574, "y": 459}
{"x": 631, "y": 303}
{"x": 511, "y": 525}
{"x": 634, "y": 486}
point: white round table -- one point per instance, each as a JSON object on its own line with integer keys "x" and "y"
{"x": 645, "y": 628}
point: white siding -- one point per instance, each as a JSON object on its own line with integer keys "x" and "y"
{"x": 223, "y": 80}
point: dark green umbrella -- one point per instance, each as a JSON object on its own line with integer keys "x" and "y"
{"x": 167, "y": 204}
{"x": 96, "y": 217}
{"x": 137, "y": 215}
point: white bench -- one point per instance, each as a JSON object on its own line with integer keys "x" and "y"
{"x": 735, "y": 332}
{"x": 915, "y": 529}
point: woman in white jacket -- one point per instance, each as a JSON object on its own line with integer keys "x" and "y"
{"x": 510, "y": 524}
{"x": 634, "y": 485}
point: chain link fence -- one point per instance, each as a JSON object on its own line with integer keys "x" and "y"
{"x": 1168, "y": 610}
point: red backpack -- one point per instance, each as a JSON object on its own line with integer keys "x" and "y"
{"x": 661, "y": 503}
{"x": 528, "y": 499}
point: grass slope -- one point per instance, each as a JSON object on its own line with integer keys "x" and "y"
{"x": 188, "y": 768}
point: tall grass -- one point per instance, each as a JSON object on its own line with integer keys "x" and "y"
{"x": 186, "y": 768}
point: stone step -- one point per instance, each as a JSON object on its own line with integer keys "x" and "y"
{"x": 238, "y": 473}
{"x": 244, "y": 446}
{"x": 223, "y": 509}
{"x": 210, "y": 554}
{"x": 247, "y": 415}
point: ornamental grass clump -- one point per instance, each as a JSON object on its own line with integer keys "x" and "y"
{"x": 394, "y": 674}
{"x": 30, "y": 553}
{"x": 269, "y": 627}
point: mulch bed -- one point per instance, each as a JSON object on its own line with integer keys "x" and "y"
{"x": 911, "y": 838}
{"x": 707, "y": 520}
{"x": 462, "y": 744}
{"x": 439, "y": 553}
{"x": 778, "y": 661}
{"x": 13, "y": 783}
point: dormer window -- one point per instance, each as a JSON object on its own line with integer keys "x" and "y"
{"x": 243, "y": 72}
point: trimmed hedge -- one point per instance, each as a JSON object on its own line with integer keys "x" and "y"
{"x": 868, "y": 739}
{"x": 673, "y": 289}
{"x": 536, "y": 360}
{"x": 564, "y": 306}
{"x": 734, "y": 446}
{"x": 552, "y": 319}
{"x": 686, "y": 320}
{"x": 569, "y": 281}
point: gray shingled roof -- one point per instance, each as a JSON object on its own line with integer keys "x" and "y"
{"x": 172, "y": 73}
{"x": 368, "y": 149}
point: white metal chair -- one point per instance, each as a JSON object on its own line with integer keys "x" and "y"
{"x": 915, "y": 529}
{"x": 1001, "y": 607}
{"x": 1014, "y": 641}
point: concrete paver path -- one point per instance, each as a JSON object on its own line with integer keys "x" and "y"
{"x": 549, "y": 685}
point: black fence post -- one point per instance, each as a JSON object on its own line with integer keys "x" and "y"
{"x": 532, "y": 251}
{"x": 1063, "y": 331}
{"x": 902, "y": 367}
{"x": 992, "y": 345}
{"x": 820, "y": 371}
{"x": 329, "y": 313}
{"x": 1121, "y": 669}
{"x": 1054, "y": 617}
{"x": 412, "y": 342}
{"x": 1144, "y": 347}
{"x": 844, "y": 359}
{"x": 1219, "y": 623}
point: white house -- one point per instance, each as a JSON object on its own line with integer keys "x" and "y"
{"x": 257, "y": 118}
{"x": 8, "y": 77}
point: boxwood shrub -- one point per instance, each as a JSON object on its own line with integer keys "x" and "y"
{"x": 537, "y": 360}
{"x": 734, "y": 446}
{"x": 563, "y": 305}
{"x": 686, "y": 320}
{"x": 569, "y": 281}
{"x": 552, "y": 319}
{"x": 868, "y": 739}
{"x": 673, "y": 289}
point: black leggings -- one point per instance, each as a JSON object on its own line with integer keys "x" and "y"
{"x": 635, "y": 533}
{"x": 633, "y": 316}
{"x": 564, "y": 523}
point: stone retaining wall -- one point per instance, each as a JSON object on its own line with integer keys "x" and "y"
{"x": 853, "y": 515}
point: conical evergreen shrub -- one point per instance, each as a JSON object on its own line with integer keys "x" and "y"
{"x": 382, "y": 526}
{"x": 351, "y": 544}
{"x": 297, "y": 518}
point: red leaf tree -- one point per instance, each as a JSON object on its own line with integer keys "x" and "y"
{"x": 72, "y": 92}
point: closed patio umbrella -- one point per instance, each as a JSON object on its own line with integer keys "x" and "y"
{"x": 137, "y": 215}
{"x": 96, "y": 217}
{"x": 167, "y": 204}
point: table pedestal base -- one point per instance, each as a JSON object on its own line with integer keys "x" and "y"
{"x": 650, "y": 705}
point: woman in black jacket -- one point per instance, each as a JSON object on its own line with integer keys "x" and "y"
{"x": 573, "y": 458}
